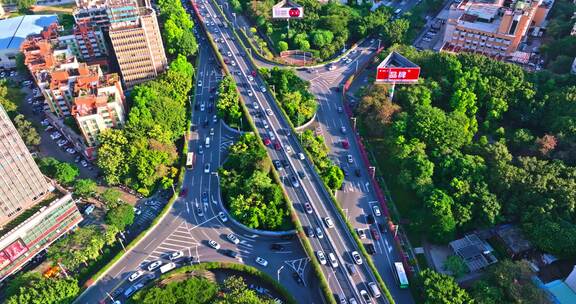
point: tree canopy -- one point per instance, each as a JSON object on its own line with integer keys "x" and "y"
{"x": 177, "y": 29}
{"x": 33, "y": 288}
{"x": 156, "y": 120}
{"x": 439, "y": 288}
{"x": 252, "y": 196}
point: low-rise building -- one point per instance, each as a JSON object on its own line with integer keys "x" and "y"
{"x": 13, "y": 32}
{"x": 476, "y": 253}
{"x": 35, "y": 233}
{"x": 492, "y": 27}
{"x": 72, "y": 88}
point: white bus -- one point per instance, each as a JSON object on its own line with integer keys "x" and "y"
{"x": 401, "y": 275}
{"x": 190, "y": 161}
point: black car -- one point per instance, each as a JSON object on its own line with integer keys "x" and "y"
{"x": 205, "y": 122}
{"x": 285, "y": 163}
{"x": 370, "y": 219}
{"x": 297, "y": 278}
{"x": 231, "y": 253}
{"x": 357, "y": 171}
{"x": 277, "y": 247}
{"x": 309, "y": 231}
{"x": 382, "y": 228}
{"x": 196, "y": 106}
{"x": 301, "y": 174}
{"x": 277, "y": 164}
{"x": 370, "y": 248}
{"x": 204, "y": 197}
{"x": 351, "y": 269}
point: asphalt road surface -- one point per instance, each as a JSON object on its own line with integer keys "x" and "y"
{"x": 338, "y": 239}
{"x": 187, "y": 230}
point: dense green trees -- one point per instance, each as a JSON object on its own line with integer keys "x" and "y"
{"x": 250, "y": 193}
{"x": 120, "y": 216}
{"x": 330, "y": 173}
{"x": 144, "y": 152}
{"x": 63, "y": 172}
{"x": 228, "y": 102}
{"x": 439, "y": 288}
{"x": 292, "y": 93}
{"x": 83, "y": 245}
{"x": 33, "y": 288}
{"x": 199, "y": 290}
{"x": 508, "y": 282}
{"x": 559, "y": 48}
{"x": 177, "y": 30}
{"x": 111, "y": 197}
{"x": 480, "y": 142}
{"x": 327, "y": 28}
{"x": 85, "y": 187}
{"x": 26, "y": 130}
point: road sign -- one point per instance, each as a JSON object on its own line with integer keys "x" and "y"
{"x": 398, "y": 74}
{"x": 287, "y": 10}
{"x": 396, "y": 68}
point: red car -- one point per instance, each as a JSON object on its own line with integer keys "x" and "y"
{"x": 345, "y": 144}
{"x": 277, "y": 145}
{"x": 375, "y": 234}
{"x": 254, "y": 73}
{"x": 183, "y": 192}
{"x": 267, "y": 141}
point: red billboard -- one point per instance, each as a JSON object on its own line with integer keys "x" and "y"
{"x": 15, "y": 249}
{"x": 4, "y": 260}
{"x": 394, "y": 74}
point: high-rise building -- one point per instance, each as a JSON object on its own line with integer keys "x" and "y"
{"x": 138, "y": 47}
{"x": 21, "y": 182}
{"x": 86, "y": 42}
{"x": 492, "y": 27}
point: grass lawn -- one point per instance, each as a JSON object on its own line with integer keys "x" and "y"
{"x": 60, "y": 9}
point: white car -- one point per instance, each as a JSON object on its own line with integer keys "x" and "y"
{"x": 329, "y": 222}
{"x": 213, "y": 244}
{"x": 233, "y": 238}
{"x": 255, "y": 105}
{"x": 319, "y": 233}
{"x": 233, "y": 63}
{"x": 202, "y": 107}
{"x": 229, "y": 54}
{"x": 269, "y": 112}
{"x": 356, "y": 257}
{"x": 251, "y": 94}
{"x": 263, "y": 89}
{"x": 365, "y": 296}
{"x": 222, "y": 216}
{"x": 199, "y": 83}
{"x": 84, "y": 163}
{"x": 350, "y": 159}
{"x": 207, "y": 168}
{"x": 301, "y": 156}
{"x": 321, "y": 257}
{"x": 343, "y": 129}
{"x": 261, "y": 261}
{"x": 70, "y": 151}
{"x": 176, "y": 254}
{"x": 135, "y": 275}
{"x": 265, "y": 124}
{"x": 250, "y": 78}
{"x": 361, "y": 233}
{"x": 333, "y": 260}
{"x": 154, "y": 265}
{"x": 376, "y": 210}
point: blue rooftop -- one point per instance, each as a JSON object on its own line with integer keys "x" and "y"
{"x": 13, "y": 31}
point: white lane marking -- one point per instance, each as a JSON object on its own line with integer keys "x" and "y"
{"x": 149, "y": 243}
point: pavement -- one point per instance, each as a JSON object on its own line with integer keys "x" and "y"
{"x": 187, "y": 230}
{"x": 337, "y": 240}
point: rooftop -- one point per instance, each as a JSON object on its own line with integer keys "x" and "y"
{"x": 13, "y": 31}
{"x": 514, "y": 239}
{"x": 476, "y": 253}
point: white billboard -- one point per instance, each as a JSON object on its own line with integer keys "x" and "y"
{"x": 287, "y": 12}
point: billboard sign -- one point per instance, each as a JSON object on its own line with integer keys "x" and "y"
{"x": 287, "y": 10}
{"x": 397, "y": 74}
{"x": 14, "y": 250}
{"x": 396, "y": 68}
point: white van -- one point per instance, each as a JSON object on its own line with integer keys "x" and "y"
{"x": 374, "y": 289}
{"x": 207, "y": 142}
{"x": 397, "y": 12}
{"x": 167, "y": 267}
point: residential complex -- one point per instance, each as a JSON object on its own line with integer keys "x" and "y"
{"x": 86, "y": 42}
{"x": 21, "y": 183}
{"x": 72, "y": 88}
{"x": 491, "y": 27}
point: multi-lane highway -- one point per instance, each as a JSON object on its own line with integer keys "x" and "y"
{"x": 193, "y": 219}
{"x": 357, "y": 196}
{"x": 271, "y": 124}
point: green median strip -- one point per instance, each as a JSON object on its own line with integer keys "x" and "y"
{"x": 303, "y": 240}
